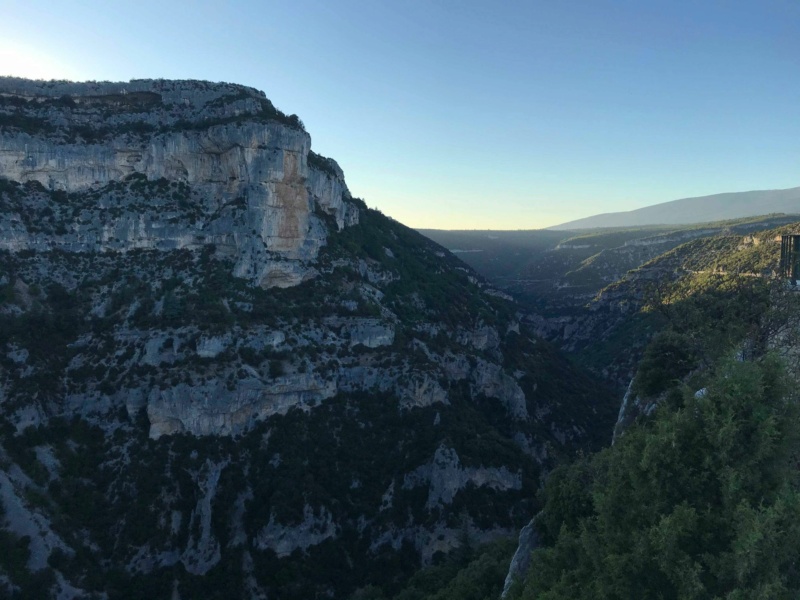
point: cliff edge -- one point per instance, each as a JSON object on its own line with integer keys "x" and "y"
{"x": 168, "y": 165}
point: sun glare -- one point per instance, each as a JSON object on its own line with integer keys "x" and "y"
{"x": 28, "y": 61}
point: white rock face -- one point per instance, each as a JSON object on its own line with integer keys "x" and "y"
{"x": 257, "y": 166}
{"x": 330, "y": 192}
{"x": 213, "y": 409}
{"x": 422, "y": 390}
{"x": 209, "y": 347}
{"x": 518, "y": 569}
{"x": 371, "y": 333}
{"x": 490, "y": 380}
{"x": 445, "y": 476}
{"x": 482, "y": 337}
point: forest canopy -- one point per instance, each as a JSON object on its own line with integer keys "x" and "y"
{"x": 700, "y": 502}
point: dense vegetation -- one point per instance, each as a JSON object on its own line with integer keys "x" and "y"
{"x": 555, "y": 273}
{"x": 592, "y": 292}
{"x": 699, "y": 497}
{"x": 469, "y": 573}
{"x": 345, "y": 468}
{"x": 700, "y": 502}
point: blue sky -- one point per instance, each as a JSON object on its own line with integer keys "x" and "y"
{"x": 474, "y": 115}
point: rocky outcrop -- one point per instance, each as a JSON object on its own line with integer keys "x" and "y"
{"x": 630, "y": 408}
{"x": 316, "y": 527}
{"x": 367, "y": 332}
{"x": 252, "y": 190}
{"x": 445, "y": 477}
{"x": 439, "y": 539}
{"x": 518, "y": 569}
{"x": 371, "y": 334}
{"x": 216, "y": 409}
{"x": 420, "y": 390}
{"x": 482, "y": 337}
{"x": 203, "y": 550}
{"x": 490, "y": 380}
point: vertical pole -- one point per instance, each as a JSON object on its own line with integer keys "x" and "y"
{"x": 783, "y": 254}
{"x": 784, "y": 269}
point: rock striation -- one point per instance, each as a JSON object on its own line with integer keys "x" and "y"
{"x": 247, "y": 187}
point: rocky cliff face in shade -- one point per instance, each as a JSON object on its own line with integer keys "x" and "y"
{"x": 238, "y": 169}
{"x": 445, "y": 477}
{"x": 518, "y": 569}
{"x": 222, "y": 374}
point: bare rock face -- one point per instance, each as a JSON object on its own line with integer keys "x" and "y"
{"x": 243, "y": 168}
{"x": 489, "y": 379}
{"x": 285, "y": 539}
{"x": 216, "y": 409}
{"x": 203, "y": 551}
{"x": 518, "y": 569}
{"x": 481, "y": 337}
{"x": 445, "y": 477}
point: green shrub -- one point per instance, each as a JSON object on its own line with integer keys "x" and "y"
{"x": 701, "y": 503}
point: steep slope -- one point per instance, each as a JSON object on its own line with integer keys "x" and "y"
{"x": 702, "y": 478}
{"x": 700, "y": 503}
{"x": 585, "y": 291}
{"x": 701, "y": 209}
{"x": 555, "y": 273}
{"x": 610, "y": 334}
{"x": 222, "y": 375}
{"x": 228, "y": 164}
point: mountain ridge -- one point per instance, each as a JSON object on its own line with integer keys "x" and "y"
{"x": 696, "y": 209}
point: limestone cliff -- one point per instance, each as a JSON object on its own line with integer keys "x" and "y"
{"x": 220, "y": 374}
{"x": 237, "y": 168}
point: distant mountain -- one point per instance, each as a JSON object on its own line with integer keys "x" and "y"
{"x": 702, "y": 209}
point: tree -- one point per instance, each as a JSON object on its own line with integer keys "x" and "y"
{"x": 702, "y": 502}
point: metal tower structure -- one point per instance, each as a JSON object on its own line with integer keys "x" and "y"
{"x": 790, "y": 257}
